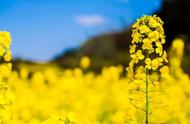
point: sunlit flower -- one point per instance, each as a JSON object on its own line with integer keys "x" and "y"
{"x": 150, "y": 30}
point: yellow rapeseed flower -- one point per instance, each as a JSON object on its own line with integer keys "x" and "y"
{"x": 154, "y": 35}
{"x": 132, "y": 49}
{"x": 147, "y": 44}
{"x": 8, "y": 56}
{"x": 147, "y": 39}
{"x": 144, "y": 29}
{"x": 85, "y": 62}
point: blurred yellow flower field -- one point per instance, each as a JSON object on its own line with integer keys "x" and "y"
{"x": 53, "y": 95}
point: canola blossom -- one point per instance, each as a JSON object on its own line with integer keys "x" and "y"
{"x": 147, "y": 43}
{"x": 147, "y": 52}
{"x": 52, "y": 95}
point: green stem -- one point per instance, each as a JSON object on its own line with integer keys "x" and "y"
{"x": 147, "y": 98}
{"x": 147, "y": 92}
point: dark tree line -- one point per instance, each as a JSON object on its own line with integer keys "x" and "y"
{"x": 176, "y": 17}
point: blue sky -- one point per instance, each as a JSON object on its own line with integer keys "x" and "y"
{"x": 41, "y": 29}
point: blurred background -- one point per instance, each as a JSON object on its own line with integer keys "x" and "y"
{"x": 61, "y": 32}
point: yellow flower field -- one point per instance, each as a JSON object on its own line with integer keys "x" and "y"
{"x": 153, "y": 87}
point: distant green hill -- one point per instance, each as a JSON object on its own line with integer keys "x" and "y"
{"x": 104, "y": 50}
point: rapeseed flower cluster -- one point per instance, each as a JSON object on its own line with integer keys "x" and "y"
{"x": 146, "y": 48}
{"x": 147, "y": 55}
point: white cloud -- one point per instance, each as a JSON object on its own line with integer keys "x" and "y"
{"x": 90, "y": 20}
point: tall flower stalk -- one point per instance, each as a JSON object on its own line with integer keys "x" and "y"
{"x": 5, "y": 69}
{"x": 147, "y": 97}
{"x": 147, "y": 51}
